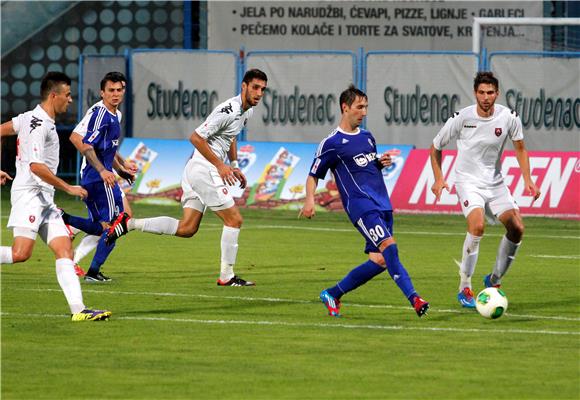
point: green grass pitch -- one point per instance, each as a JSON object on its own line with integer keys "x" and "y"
{"x": 175, "y": 335}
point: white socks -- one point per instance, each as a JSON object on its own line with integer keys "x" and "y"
{"x": 69, "y": 283}
{"x": 157, "y": 225}
{"x": 6, "y": 255}
{"x": 469, "y": 260}
{"x": 229, "y": 245}
{"x": 506, "y": 253}
{"x": 88, "y": 244}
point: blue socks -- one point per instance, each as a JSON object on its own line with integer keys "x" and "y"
{"x": 398, "y": 272}
{"x": 103, "y": 251}
{"x": 355, "y": 278}
{"x": 84, "y": 224}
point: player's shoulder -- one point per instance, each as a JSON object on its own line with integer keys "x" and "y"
{"x": 230, "y": 107}
{"x": 503, "y": 111}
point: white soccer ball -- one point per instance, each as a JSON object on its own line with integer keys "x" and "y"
{"x": 491, "y": 303}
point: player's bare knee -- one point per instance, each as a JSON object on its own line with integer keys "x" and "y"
{"x": 477, "y": 229}
{"x": 20, "y": 255}
{"x": 378, "y": 259}
{"x": 186, "y": 231}
{"x": 516, "y": 231}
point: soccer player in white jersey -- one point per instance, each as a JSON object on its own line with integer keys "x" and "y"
{"x": 32, "y": 196}
{"x": 125, "y": 170}
{"x": 481, "y": 131}
{"x": 207, "y": 176}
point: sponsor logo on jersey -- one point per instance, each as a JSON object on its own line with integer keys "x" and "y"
{"x": 115, "y": 142}
{"x": 498, "y": 132}
{"x": 362, "y": 160}
{"x": 470, "y": 126}
{"x": 32, "y": 218}
{"x": 35, "y": 123}
{"x": 227, "y": 109}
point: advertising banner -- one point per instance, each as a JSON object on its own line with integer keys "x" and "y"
{"x": 276, "y": 172}
{"x": 93, "y": 70}
{"x": 545, "y": 92}
{"x": 301, "y": 101}
{"x": 174, "y": 91}
{"x": 407, "y": 103}
{"x": 375, "y": 25}
{"x": 557, "y": 174}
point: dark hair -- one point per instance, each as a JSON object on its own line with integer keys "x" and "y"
{"x": 485, "y": 77}
{"x": 51, "y": 81}
{"x": 349, "y": 96}
{"x": 254, "y": 74}
{"x": 113, "y": 77}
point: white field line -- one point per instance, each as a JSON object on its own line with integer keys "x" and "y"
{"x": 549, "y": 256}
{"x": 318, "y": 325}
{"x": 397, "y": 232}
{"x": 292, "y": 301}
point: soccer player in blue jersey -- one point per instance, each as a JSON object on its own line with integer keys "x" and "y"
{"x": 350, "y": 153}
{"x": 104, "y": 201}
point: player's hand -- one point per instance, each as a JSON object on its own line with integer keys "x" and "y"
{"x": 240, "y": 177}
{"x": 129, "y": 177}
{"x": 227, "y": 174}
{"x": 108, "y": 177}
{"x": 438, "y": 187}
{"x": 307, "y": 210}
{"x": 131, "y": 167}
{"x": 4, "y": 177}
{"x": 77, "y": 191}
{"x": 533, "y": 190}
{"x": 386, "y": 160}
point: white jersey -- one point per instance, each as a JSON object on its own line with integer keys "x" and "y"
{"x": 37, "y": 143}
{"x": 222, "y": 126}
{"x": 480, "y": 143}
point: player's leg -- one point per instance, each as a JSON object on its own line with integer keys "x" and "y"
{"x": 87, "y": 225}
{"x": 504, "y": 206}
{"x": 87, "y": 244}
{"x": 21, "y": 248}
{"x": 55, "y": 234}
{"x": 232, "y": 220}
{"x": 106, "y": 204}
{"x": 473, "y": 206}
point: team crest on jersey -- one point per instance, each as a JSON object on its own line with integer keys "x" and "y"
{"x": 225, "y": 190}
{"x": 465, "y": 203}
{"x": 498, "y": 132}
{"x": 32, "y": 218}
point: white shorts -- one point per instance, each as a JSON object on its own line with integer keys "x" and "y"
{"x": 498, "y": 198}
{"x": 34, "y": 212}
{"x": 203, "y": 187}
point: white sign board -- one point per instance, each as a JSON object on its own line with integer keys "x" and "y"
{"x": 411, "y": 96}
{"x": 174, "y": 91}
{"x": 301, "y": 102}
{"x": 374, "y": 25}
{"x": 545, "y": 92}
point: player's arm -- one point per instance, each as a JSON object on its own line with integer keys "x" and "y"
{"x": 233, "y": 157}
{"x": 226, "y": 172}
{"x": 44, "y": 173}
{"x": 92, "y": 137}
{"x": 524, "y": 162}
{"x": 440, "y": 183}
{"x": 4, "y": 177}
{"x": 125, "y": 170}
{"x": 7, "y": 129}
{"x": 308, "y": 208}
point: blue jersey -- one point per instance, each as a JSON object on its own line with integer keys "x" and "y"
{"x": 352, "y": 159}
{"x": 103, "y": 133}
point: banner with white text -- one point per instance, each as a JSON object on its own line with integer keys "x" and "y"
{"x": 557, "y": 174}
{"x": 374, "y": 25}
{"x": 174, "y": 91}
{"x": 301, "y": 102}
{"x": 545, "y": 92}
{"x": 411, "y": 96}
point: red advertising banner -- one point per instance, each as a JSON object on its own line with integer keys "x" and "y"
{"x": 557, "y": 174}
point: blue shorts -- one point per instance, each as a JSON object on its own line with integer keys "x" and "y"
{"x": 103, "y": 202}
{"x": 376, "y": 227}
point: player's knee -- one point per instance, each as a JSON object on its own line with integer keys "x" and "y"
{"x": 186, "y": 229}
{"x": 477, "y": 229}
{"x": 234, "y": 221}
{"x": 516, "y": 231}
{"x": 21, "y": 255}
